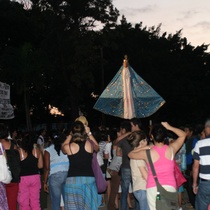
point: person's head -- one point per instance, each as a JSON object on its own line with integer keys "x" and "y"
{"x": 42, "y": 131}
{"x": 188, "y": 130}
{"x": 57, "y": 138}
{"x": 113, "y": 134}
{"x": 158, "y": 133}
{"x": 135, "y": 124}
{"x": 78, "y": 127}
{"x": 103, "y": 135}
{"x": 3, "y": 131}
{"x": 207, "y": 128}
{"x": 13, "y": 133}
{"x": 137, "y": 138}
{"x": 125, "y": 127}
{"x": 27, "y": 142}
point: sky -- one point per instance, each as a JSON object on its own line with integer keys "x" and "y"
{"x": 192, "y": 16}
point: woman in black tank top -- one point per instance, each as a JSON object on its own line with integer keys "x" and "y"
{"x": 80, "y": 190}
{"x": 30, "y": 184}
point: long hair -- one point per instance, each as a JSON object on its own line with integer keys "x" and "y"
{"x": 57, "y": 140}
{"x": 78, "y": 132}
{"x": 78, "y": 127}
{"x": 27, "y": 142}
{"x": 77, "y": 138}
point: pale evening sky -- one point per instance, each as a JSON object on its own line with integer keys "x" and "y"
{"x": 192, "y": 16}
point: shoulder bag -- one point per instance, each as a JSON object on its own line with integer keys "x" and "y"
{"x": 5, "y": 173}
{"x": 99, "y": 177}
{"x": 180, "y": 179}
{"x": 165, "y": 200}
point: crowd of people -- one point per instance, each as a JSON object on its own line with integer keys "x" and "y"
{"x": 59, "y": 162}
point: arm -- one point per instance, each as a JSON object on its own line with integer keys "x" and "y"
{"x": 40, "y": 159}
{"x": 91, "y": 137}
{"x": 46, "y": 170}
{"x": 195, "y": 175}
{"x": 121, "y": 137}
{"x": 176, "y": 145}
{"x": 65, "y": 145}
{"x": 144, "y": 172}
{"x": 139, "y": 153}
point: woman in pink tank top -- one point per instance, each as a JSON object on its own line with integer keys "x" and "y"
{"x": 162, "y": 157}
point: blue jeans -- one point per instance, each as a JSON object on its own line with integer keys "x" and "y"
{"x": 125, "y": 182}
{"x": 202, "y": 199}
{"x": 141, "y": 197}
{"x": 56, "y": 188}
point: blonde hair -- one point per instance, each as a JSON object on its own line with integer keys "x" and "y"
{"x": 135, "y": 137}
{"x": 83, "y": 120}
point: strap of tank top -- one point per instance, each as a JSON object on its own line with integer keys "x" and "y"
{"x": 172, "y": 151}
{"x": 92, "y": 144}
{"x": 21, "y": 154}
{"x": 70, "y": 148}
{"x": 1, "y": 147}
{"x": 35, "y": 152}
{"x": 151, "y": 165}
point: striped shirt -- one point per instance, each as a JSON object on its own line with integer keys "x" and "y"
{"x": 202, "y": 153}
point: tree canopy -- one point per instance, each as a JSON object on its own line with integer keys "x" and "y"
{"x": 59, "y": 52}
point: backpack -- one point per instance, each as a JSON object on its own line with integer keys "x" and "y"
{"x": 13, "y": 161}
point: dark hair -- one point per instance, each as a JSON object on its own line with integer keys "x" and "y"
{"x": 190, "y": 127}
{"x": 41, "y": 131}
{"x": 78, "y": 127}
{"x": 135, "y": 137}
{"x": 27, "y": 142}
{"x": 3, "y": 131}
{"x": 159, "y": 133}
{"x": 125, "y": 125}
{"x": 113, "y": 134}
{"x": 136, "y": 121}
{"x": 57, "y": 140}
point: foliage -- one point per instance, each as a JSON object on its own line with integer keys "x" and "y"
{"x": 58, "y": 52}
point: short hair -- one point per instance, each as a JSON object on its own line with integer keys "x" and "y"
{"x": 136, "y": 121}
{"x": 190, "y": 127}
{"x": 125, "y": 125}
{"x": 159, "y": 133}
{"x": 207, "y": 123}
{"x": 41, "y": 131}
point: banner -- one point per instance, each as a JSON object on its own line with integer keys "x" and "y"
{"x": 6, "y": 109}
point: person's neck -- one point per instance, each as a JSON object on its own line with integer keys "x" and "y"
{"x": 159, "y": 144}
{"x": 3, "y": 140}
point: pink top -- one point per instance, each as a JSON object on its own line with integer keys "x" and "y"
{"x": 164, "y": 169}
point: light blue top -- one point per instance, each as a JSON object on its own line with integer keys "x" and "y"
{"x": 57, "y": 163}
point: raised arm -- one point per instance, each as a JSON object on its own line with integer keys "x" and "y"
{"x": 176, "y": 145}
{"x": 91, "y": 137}
{"x": 65, "y": 145}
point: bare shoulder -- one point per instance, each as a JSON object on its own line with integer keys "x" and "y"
{"x": 88, "y": 147}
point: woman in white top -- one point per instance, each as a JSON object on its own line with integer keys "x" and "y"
{"x": 138, "y": 139}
